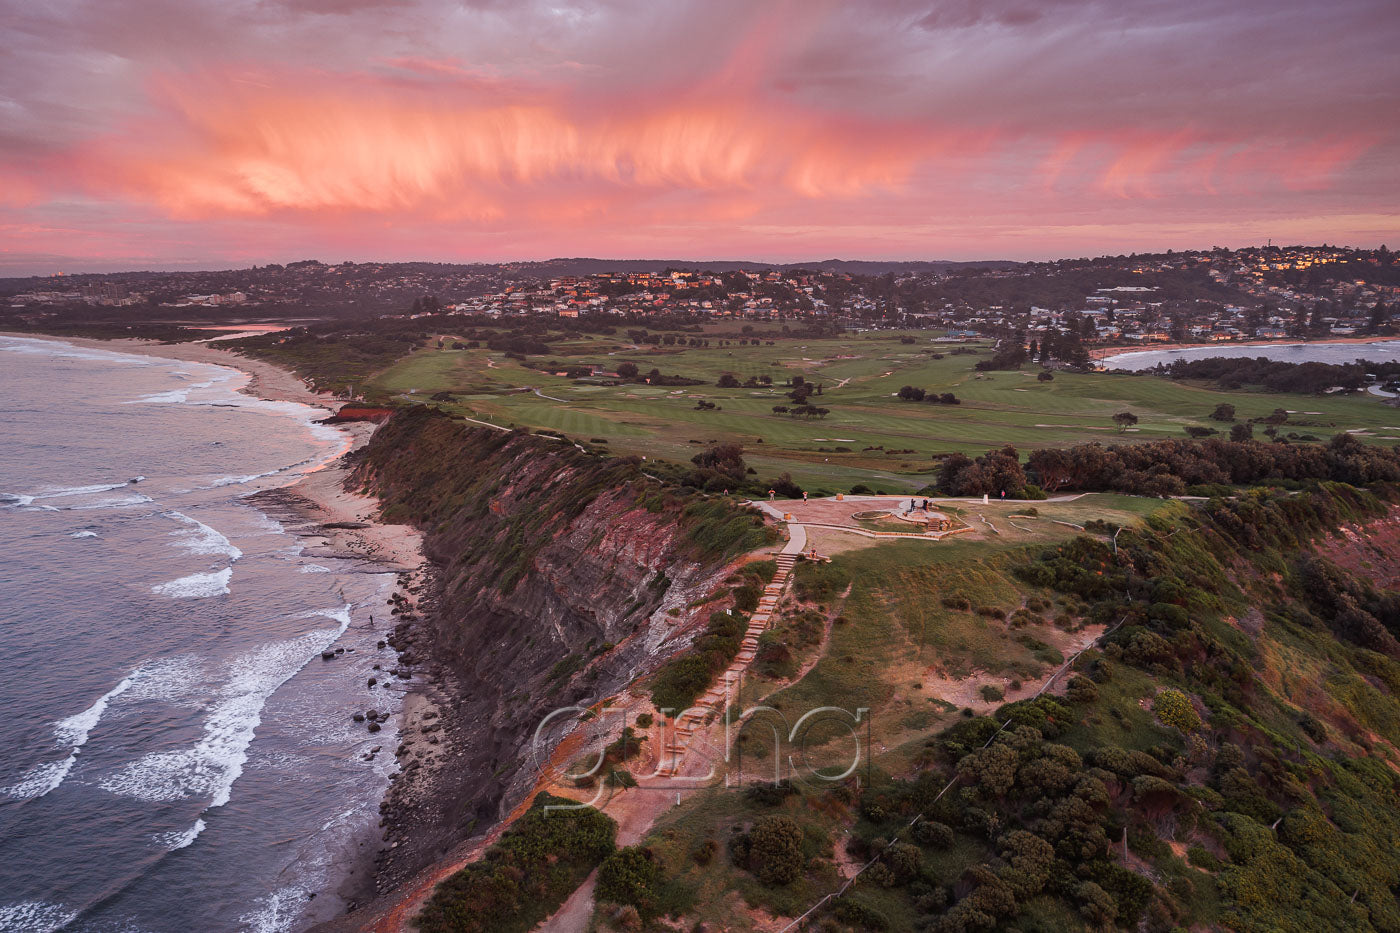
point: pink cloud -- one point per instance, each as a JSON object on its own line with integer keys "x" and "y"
{"x": 520, "y": 129}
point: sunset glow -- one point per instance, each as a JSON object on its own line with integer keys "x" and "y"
{"x": 175, "y": 134}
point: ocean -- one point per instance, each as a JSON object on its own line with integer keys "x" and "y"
{"x": 178, "y": 755}
{"x": 1381, "y": 351}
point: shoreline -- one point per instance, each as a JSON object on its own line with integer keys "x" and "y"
{"x": 1099, "y": 354}
{"x": 330, "y": 521}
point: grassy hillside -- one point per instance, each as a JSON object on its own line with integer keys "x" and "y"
{"x": 1226, "y": 757}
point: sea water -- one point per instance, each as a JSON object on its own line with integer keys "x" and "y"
{"x": 177, "y": 755}
{"x": 1317, "y": 352}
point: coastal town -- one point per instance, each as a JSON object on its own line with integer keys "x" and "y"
{"x": 1207, "y": 296}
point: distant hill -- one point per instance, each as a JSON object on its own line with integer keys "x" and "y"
{"x": 587, "y": 266}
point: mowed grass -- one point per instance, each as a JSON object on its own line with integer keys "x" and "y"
{"x": 871, "y": 436}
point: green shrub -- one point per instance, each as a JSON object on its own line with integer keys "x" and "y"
{"x": 525, "y": 876}
{"x": 1202, "y": 857}
{"x": 933, "y": 834}
{"x": 682, "y": 679}
{"x": 851, "y": 909}
{"x": 818, "y": 582}
{"x": 631, "y": 876}
{"x": 746, "y": 597}
{"x": 1174, "y": 709}
{"x": 775, "y": 850}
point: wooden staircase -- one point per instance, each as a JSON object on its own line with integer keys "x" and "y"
{"x": 727, "y": 687}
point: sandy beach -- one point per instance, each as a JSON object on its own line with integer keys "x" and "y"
{"x": 319, "y": 496}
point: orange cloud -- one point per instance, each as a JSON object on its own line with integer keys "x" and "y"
{"x": 237, "y": 148}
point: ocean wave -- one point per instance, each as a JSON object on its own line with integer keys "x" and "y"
{"x": 119, "y": 503}
{"x": 64, "y": 492}
{"x": 315, "y": 568}
{"x": 22, "y": 500}
{"x": 35, "y": 917}
{"x": 85, "y": 533}
{"x": 238, "y": 480}
{"x": 180, "y": 395}
{"x": 275, "y": 912}
{"x": 41, "y": 779}
{"x": 211, "y": 766}
{"x": 199, "y": 538}
{"x": 168, "y": 679}
{"x": 179, "y": 839}
{"x": 68, "y": 351}
{"x": 197, "y": 585}
{"x": 170, "y": 397}
{"x": 71, "y": 733}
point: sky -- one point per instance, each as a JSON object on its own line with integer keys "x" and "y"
{"x": 166, "y": 134}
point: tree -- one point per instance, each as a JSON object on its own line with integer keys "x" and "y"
{"x": 1045, "y": 376}
{"x": 1223, "y": 412}
{"x": 785, "y": 488}
{"x": 727, "y": 381}
{"x": 1380, "y": 317}
{"x": 1241, "y": 432}
{"x": 911, "y": 393}
{"x": 630, "y": 876}
{"x": 775, "y": 850}
{"x": 1125, "y": 420}
{"x": 627, "y": 370}
{"x": 1054, "y": 467}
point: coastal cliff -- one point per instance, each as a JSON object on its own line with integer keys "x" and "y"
{"x": 560, "y": 576}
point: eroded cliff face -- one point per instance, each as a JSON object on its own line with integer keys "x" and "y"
{"x": 562, "y": 576}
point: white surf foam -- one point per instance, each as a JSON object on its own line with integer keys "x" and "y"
{"x": 212, "y": 765}
{"x": 171, "y": 397}
{"x": 83, "y": 534}
{"x": 199, "y": 538}
{"x": 238, "y": 480}
{"x": 315, "y": 568}
{"x": 180, "y": 395}
{"x": 179, "y": 840}
{"x": 68, "y": 351}
{"x": 197, "y": 585}
{"x": 118, "y": 503}
{"x": 35, "y": 917}
{"x": 64, "y": 492}
{"x": 15, "y": 499}
{"x": 275, "y": 912}
{"x": 41, "y": 779}
{"x": 71, "y": 733}
{"x": 169, "y": 679}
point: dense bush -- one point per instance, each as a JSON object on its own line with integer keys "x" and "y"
{"x": 680, "y": 681}
{"x": 1174, "y": 709}
{"x": 525, "y": 876}
{"x": 819, "y": 582}
{"x": 1168, "y": 467}
{"x": 631, "y": 875}
{"x": 775, "y": 850}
